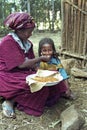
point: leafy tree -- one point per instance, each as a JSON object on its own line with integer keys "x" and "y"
{"x": 39, "y": 9}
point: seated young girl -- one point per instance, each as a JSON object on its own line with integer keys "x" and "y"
{"x": 47, "y": 48}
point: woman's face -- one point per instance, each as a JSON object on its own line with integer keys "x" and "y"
{"x": 47, "y": 50}
{"x": 24, "y": 34}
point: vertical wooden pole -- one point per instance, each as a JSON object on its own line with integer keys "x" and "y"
{"x": 85, "y": 36}
{"x": 78, "y": 26}
{"x": 71, "y": 27}
{"x": 63, "y": 40}
{"x": 66, "y": 24}
{"x": 74, "y": 31}
{"x": 85, "y": 32}
{"x": 81, "y": 30}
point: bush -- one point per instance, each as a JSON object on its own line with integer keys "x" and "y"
{"x": 3, "y": 30}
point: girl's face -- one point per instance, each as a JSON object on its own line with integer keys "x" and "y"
{"x": 47, "y": 50}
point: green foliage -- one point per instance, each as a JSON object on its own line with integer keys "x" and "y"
{"x": 3, "y": 30}
{"x": 39, "y": 9}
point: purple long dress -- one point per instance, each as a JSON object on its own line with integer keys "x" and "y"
{"x": 13, "y": 80}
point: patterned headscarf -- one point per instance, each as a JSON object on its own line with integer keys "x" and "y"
{"x": 19, "y": 20}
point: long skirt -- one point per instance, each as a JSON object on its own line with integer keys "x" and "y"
{"x": 14, "y": 87}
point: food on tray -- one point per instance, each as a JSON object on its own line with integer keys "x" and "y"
{"x": 45, "y": 79}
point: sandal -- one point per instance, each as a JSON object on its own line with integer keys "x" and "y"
{"x": 69, "y": 95}
{"x": 8, "y": 109}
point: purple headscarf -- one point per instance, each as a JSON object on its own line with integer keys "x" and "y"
{"x": 19, "y": 20}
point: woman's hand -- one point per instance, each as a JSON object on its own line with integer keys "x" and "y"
{"x": 45, "y": 58}
{"x": 29, "y": 63}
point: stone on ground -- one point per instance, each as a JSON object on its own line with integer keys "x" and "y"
{"x": 71, "y": 119}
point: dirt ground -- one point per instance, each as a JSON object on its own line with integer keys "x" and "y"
{"x": 51, "y": 116}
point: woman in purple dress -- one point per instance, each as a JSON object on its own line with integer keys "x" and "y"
{"x": 17, "y": 60}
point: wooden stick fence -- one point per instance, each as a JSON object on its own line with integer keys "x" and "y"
{"x": 74, "y": 28}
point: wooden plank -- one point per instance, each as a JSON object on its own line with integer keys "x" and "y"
{"x": 69, "y": 29}
{"x": 78, "y": 26}
{"x": 76, "y": 7}
{"x": 74, "y": 32}
{"x": 63, "y": 25}
{"x": 85, "y": 37}
{"x": 81, "y": 30}
{"x": 74, "y": 55}
{"x": 66, "y": 24}
{"x": 85, "y": 33}
{"x": 72, "y": 25}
